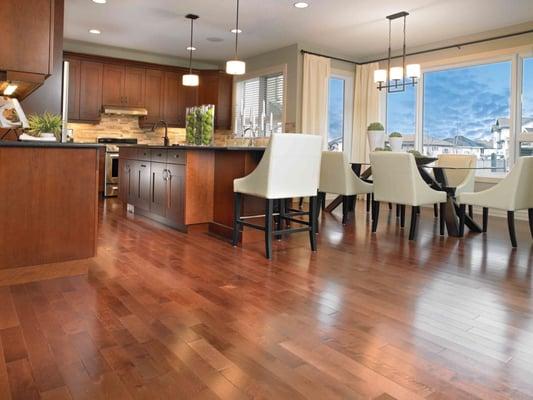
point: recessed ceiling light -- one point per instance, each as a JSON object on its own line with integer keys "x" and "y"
{"x": 100, "y": 1}
{"x": 95, "y": 31}
{"x": 301, "y": 4}
{"x": 236, "y": 30}
{"x": 191, "y": 48}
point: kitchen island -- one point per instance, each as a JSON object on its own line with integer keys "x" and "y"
{"x": 48, "y": 209}
{"x": 185, "y": 186}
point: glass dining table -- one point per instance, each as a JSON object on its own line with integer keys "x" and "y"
{"x": 437, "y": 180}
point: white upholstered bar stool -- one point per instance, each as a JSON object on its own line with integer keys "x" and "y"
{"x": 337, "y": 177}
{"x": 290, "y": 168}
{"x": 458, "y": 174}
{"x": 513, "y": 193}
{"x": 397, "y": 180}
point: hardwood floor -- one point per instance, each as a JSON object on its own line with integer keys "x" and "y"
{"x": 167, "y": 315}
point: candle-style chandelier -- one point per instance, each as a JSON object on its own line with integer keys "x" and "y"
{"x": 395, "y": 79}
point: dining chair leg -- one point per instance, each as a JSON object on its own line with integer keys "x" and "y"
{"x": 402, "y": 216}
{"x": 471, "y": 211}
{"x": 390, "y": 206}
{"x": 300, "y": 203}
{"x": 321, "y": 201}
{"x": 486, "y": 219}
{"x": 397, "y": 211}
{"x": 417, "y": 210}
{"x": 268, "y": 227}
{"x": 414, "y": 221}
{"x": 530, "y": 214}
{"x": 435, "y": 210}
{"x": 510, "y": 224}
{"x": 280, "y": 222}
{"x": 345, "y": 209}
{"x": 462, "y": 216}
{"x": 442, "y": 218}
{"x": 237, "y": 201}
{"x": 368, "y": 202}
{"x": 313, "y": 205}
{"x": 375, "y": 215}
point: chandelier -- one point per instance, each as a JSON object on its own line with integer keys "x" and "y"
{"x": 395, "y": 79}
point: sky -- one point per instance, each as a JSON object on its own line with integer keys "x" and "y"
{"x": 461, "y": 101}
{"x": 336, "y": 108}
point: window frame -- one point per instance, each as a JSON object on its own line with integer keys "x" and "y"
{"x": 348, "y": 78}
{"x": 515, "y": 57}
{"x": 277, "y": 69}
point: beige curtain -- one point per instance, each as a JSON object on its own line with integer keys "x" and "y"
{"x": 316, "y": 72}
{"x": 366, "y": 109}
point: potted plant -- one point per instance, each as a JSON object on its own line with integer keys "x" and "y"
{"x": 376, "y": 135}
{"x": 396, "y": 141}
{"x": 46, "y": 125}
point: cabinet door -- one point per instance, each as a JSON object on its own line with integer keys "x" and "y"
{"x": 153, "y": 95}
{"x": 124, "y": 180}
{"x": 176, "y": 194}
{"x": 113, "y": 90}
{"x": 224, "y": 101}
{"x": 158, "y": 199}
{"x": 144, "y": 186}
{"x": 134, "y": 80}
{"x": 170, "y": 97}
{"x": 74, "y": 89}
{"x": 90, "y": 90}
{"x": 26, "y": 35}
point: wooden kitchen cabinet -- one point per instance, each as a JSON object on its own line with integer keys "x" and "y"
{"x": 27, "y": 36}
{"x": 216, "y": 88}
{"x": 90, "y": 101}
{"x": 153, "y": 96}
{"x": 123, "y": 86}
{"x": 158, "y": 200}
{"x": 175, "y": 208}
{"x": 74, "y": 89}
{"x": 171, "y": 83}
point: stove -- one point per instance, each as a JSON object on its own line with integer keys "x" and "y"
{"x": 112, "y": 163}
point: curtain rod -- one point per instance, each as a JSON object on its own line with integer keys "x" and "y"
{"x": 459, "y": 45}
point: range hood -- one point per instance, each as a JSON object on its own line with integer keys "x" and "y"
{"x": 19, "y": 84}
{"x": 124, "y": 110}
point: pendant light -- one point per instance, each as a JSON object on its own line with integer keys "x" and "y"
{"x": 191, "y": 79}
{"x": 395, "y": 79}
{"x": 236, "y": 66}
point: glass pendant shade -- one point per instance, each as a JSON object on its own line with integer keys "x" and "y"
{"x": 380, "y": 76}
{"x": 190, "y": 80}
{"x": 396, "y": 73}
{"x": 413, "y": 70}
{"x": 235, "y": 67}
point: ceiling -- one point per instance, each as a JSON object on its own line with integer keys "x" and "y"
{"x": 354, "y": 29}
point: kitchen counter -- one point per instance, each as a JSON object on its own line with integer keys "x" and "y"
{"x": 193, "y": 147}
{"x": 69, "y": 145}
{"x": 182, "y": 186}
{"x": 49, "y": 210}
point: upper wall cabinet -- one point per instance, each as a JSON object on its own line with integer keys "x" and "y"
{"x": 91, "y": 74}
{"x": 153, "y": 95}
{"x": 216, "y": 88}
{"x": 27, "y": 36}
{"x": 123, "y": 86}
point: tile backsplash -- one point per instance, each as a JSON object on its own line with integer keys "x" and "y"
{"x": 123, "y": 126}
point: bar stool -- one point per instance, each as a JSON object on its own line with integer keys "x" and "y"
{"x": 290, "y": 168}
{"x": 337, "y": 177}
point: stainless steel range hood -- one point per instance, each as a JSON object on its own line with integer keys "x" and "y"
{"x": 124, "y": 110}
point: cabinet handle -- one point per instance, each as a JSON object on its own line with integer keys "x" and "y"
{"x": 153, "y": 187}
{"x": 169, "y": 198}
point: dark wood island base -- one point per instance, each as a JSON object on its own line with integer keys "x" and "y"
{"x": 184, "y": 186}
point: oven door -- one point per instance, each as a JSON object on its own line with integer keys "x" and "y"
{"x": 111, "y": 168}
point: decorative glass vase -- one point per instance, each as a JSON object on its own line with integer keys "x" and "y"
{"x": 200, "y": 125}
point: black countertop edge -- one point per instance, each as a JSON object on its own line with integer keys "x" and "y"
{"x": 192, "y": 147}
{"x": 48, "y": 145}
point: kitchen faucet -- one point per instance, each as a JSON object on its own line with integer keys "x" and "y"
{"x": 165, "y": 125}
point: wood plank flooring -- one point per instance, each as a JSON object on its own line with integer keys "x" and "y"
{"x": 166, "y": 315}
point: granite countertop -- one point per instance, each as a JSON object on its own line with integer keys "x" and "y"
{"x": 69, "y": 145}
{"x": 193, "y": 147}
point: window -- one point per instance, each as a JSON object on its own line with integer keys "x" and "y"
{"x": 336, "y": 114}
{"x": 401, "y": 115}
{"x": 340, "y": 106}
{"x": 526, "y": 132}
{"x": 260, "y": 104}
{"x": 467, "y": 111}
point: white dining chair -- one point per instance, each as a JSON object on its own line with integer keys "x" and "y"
{"x": 337, "y": 177}
{"x": 290, "y": 168}
{"x": 397, "y": 180}
{"x": 460, "y": 173}
{"x": 512, "y": 193}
